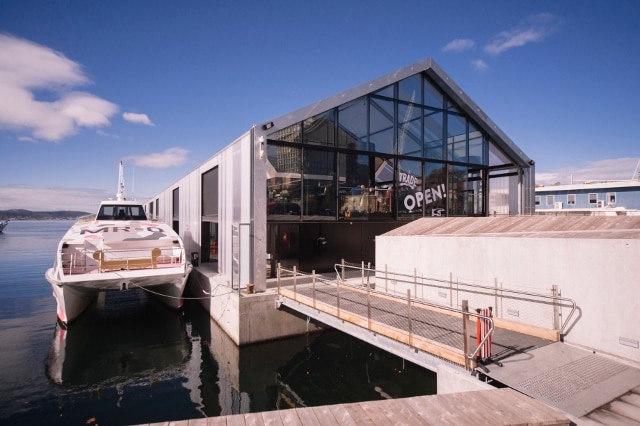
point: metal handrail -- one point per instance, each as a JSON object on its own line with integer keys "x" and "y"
{"x": 486, "y": 290}
{"x": 465, "y": 315}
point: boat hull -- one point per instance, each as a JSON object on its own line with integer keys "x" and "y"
{"x": 75, "y": 293}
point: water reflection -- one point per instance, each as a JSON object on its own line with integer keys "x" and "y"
{"x": 130, "y": 360}
{"x": 126, "y": 340}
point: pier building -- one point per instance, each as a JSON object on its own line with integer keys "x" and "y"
{"x": 318, "y": 184}
{"x": 349, "y": 177}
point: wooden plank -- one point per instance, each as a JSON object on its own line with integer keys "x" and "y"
{"x": 198, "y": 422}
{"x": 307, "y": 416}
{"x": 357, "y": 413}
{"x": 324, "y": 415}
{"x": 290, "y": 417}
{"x": 377, "y": 413}
{"x": 341, "y": 415}
{"x": 271, "y": 418}
{"x": 235, "y": 420}
{"x": 217, "y": 421}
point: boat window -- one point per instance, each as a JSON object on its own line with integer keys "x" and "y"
{"x": 110, "y": 212}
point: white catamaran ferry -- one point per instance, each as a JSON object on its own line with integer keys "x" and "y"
{"x": 117, "y": 249}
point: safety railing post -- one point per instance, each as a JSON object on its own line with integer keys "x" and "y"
{"x": 409, "y": 317}
{"x": 338, "y": 296}
{"x": 415, "y": 282}
{"x": 278, "y": 276}
{"x": 368, "y": 307}
{"x": 343, "y": 276}
{"x": 362, "y": 272}
{"x": 313, "y": 287}
{"x": 466, "y": 334}
{"x": 386, "y": 273}
{"x": 556, "y": 310}
{"x": 295, "y": 278}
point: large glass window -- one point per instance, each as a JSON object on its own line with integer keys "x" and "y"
{"x": 456, "y": 138}
{"x": 381, "y": 126}
{"x": 353, "y": 124}
{"x": 409, "y": 130}
{"x": 435, "y": 189}
{"x": 460, "y": 195}
{"x": 387, "y": 155}
{"x": 319, "y": 185}
{"x": 410, "y": 89}
{"x": 410, "y": 194}
{"x": 283, "y": 182}
{"x": 366, "y": 189}
{"x": 433, "y": 134}
{"x": 477, "y": 145}
{"x": 320, "y": 129}
{"x": 432, "y": 96}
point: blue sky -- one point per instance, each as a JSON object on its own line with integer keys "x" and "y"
{"x": 164, "y": 85}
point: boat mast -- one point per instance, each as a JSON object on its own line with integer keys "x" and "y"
{"x": 120, "y": 196}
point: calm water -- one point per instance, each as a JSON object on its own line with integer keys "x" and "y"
{"x": 133, "y": 361}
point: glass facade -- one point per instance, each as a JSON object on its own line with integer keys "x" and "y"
{"x": 402, "y": 152}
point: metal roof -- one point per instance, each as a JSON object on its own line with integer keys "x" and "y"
{"x": 441, "y": 80}
{"x": 578, "y": 227}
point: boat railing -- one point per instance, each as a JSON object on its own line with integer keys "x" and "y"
{"x": 85, "y": 260}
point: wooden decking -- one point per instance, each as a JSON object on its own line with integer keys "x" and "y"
{"x": 488, "y": 407}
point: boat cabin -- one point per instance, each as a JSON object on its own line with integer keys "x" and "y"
{"x": 115, "y": 211}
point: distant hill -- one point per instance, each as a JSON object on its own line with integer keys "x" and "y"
{"x": 20, "y": 214}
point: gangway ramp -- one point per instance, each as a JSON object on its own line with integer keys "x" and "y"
{"x": 419, "y": 331}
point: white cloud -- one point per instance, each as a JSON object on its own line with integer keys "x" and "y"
{"x": 612, "y": 169}
{"x": 535, "y": 29}
{"x": 458, "y": 45}
{"x": 133, "y": 117}
{"x": 171, "y": 157}
{"x": 27, "y": 68}
{"x": 479, "y": 65}
{"x": 50, "y": 199}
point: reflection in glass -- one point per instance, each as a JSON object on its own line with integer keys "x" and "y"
{"x": 320, "y": 129}
{"x": 432, "y": 96}
{"x": 477, "y": 145}
{"x": 381, "y": 126}
{"x": 410, "y": 194}
{"x": 366, "y": 187}
{"x": 410, "y": 89}
{"x": 352, "y": 125}
{"x": 319, "y": 185}
{"x": 435, "y": 190}
{"x": 433, "y": 134}
{"x": 465, "y": 192}
{"x": 288, "y": 134}
{"x": 456, "y": 138}
{"x": 409, "y": 130}
{"x": 283, "y": 182}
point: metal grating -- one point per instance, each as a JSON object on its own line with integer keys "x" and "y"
{"x": 568, "y": 380}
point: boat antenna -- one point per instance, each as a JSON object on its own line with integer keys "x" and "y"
{"x": 636, "y": 175}
{"x": 120, "y": 196}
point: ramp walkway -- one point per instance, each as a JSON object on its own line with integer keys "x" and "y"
{"x": 524, "y": 357}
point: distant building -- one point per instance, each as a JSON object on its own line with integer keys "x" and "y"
{"x": 608, "y": 198}
{"x": 319, "y": 184}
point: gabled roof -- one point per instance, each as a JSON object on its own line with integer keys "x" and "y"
{"x": 441, "y": 80}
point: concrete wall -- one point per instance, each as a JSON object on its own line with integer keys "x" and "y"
{"x": 245, "y": 318}
{"x": 601, "y": 275}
